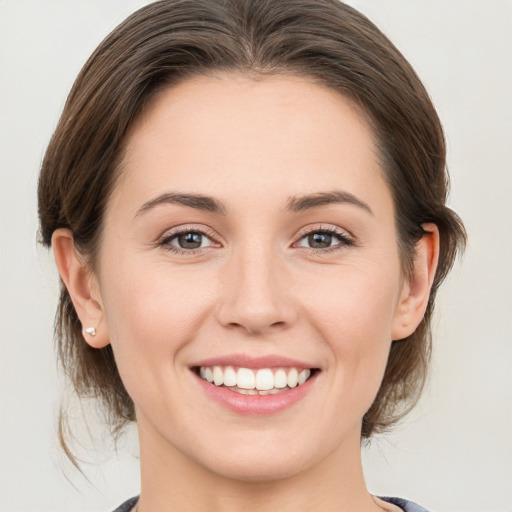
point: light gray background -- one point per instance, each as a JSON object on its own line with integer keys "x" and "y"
{"x": 455, "y": 452}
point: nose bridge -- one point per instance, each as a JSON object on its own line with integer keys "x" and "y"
{"x": 254, "y": 295}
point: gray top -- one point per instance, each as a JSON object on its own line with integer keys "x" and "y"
{"x": 405, "y": 505}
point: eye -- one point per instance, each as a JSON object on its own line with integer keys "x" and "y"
{"x": 187, "y": 240}
{"x": 324, "y": 239}
{"x": 190, "y": 240}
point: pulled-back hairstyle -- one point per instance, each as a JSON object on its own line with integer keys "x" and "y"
{"x": 169, "y": 41}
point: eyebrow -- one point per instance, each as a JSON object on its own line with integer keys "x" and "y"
{"x": 297, "y": 204}
{"x": 294, "y": 203}
{"x": 197, "y": 201}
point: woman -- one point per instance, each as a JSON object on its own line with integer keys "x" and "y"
{"x": 246, "y": 203}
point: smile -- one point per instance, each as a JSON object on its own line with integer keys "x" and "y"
{"x": 249, "y": 381}
{"x": 255, "y": 385}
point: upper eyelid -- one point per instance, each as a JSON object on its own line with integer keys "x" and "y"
{"x": 324, "y": 228}
{"x": 188, "y": 228}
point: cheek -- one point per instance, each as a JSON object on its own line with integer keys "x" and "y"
{"x": 353, "y": 303}
{"x": 152, "y": 312}
{"x": 353, "y": 312}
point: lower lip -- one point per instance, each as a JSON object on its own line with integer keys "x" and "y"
{"x": 256, "y": 405}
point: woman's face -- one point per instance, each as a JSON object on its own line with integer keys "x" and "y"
{"x": 251, "y": 231}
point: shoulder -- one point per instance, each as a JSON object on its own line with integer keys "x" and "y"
{"x": 405, "y": 505}
{"x": 128, "y": 505}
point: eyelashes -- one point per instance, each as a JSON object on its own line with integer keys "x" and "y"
{"x": 324, "y": 239}
{"x": 189, "y": 240}
{"x": 193, "y": 240}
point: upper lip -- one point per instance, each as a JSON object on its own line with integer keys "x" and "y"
{"x": 247, "y": 361}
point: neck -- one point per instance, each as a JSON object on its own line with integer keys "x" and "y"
{"x": 170, "y": 481}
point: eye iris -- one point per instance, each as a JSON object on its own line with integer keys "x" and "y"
{"x": 190, "y": 240}
{"x": 320, "y": 240}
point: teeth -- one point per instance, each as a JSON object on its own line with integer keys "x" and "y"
{"x": 264, "y": 380}
{"x": 280, "y": 379}
{"x": 245, "y": 379}
{"x": 251, "y": 382}
{"x": 293, "y": 378}
{"x": 229, "y": 377}
{"x": 218, "y": 376}
{"x": 304, "y": 376}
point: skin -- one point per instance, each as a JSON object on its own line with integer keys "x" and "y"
{"x": 255, "y": 287}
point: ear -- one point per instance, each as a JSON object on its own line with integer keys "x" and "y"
{"x": 416, "y": 289}
{"x": 82, "y": 286}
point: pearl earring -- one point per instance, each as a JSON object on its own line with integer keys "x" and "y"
{"x": 91, "y": 331}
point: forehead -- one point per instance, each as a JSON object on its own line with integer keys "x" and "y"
{"x": 211, "y": 132}
{"x": 231, "y": 102}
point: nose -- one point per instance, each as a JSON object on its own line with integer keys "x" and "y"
{"x": 256, "y": 295}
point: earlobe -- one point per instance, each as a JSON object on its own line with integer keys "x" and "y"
{"x": 416, "y": 289}
{"x": 82, "y": 287}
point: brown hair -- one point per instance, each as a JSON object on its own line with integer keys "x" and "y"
{"x": 171, "y": 40}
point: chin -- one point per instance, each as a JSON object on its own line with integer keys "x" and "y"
{"x": 257, "y": 464}
{"x": 260, "y": 471}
